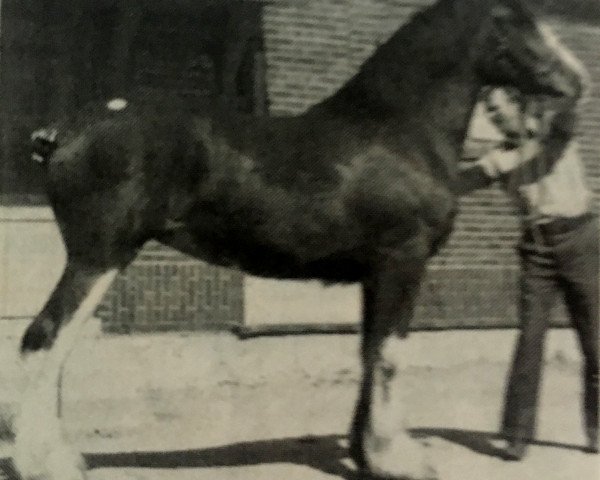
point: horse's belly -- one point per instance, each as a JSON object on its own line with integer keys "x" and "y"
{"x": 341, "y": 267}
{"x": 280, "y": 245}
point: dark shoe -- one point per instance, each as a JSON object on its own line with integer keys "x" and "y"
{"x": 515, "y": 450}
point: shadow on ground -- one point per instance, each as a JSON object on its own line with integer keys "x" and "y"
{"x": 7, "y": 470}
{"x": 478, "y": 442}
{"x": 322, "y": 453}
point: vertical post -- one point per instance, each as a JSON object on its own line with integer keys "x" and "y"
{"x": 3, "y": 142}
{"x": 1, "y": 30}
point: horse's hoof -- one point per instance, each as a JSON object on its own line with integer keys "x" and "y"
{"x": 63, "y": 463}
{"x": 400, "y": 460}
{"x": 428, "y": 473}
{"x": 59, "y": 463}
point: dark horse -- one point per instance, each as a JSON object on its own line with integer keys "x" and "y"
{"x": 360, "y": 188}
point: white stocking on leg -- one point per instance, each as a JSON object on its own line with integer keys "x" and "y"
{"x": 40, "y": 450}
{"x": 381, "y": 444}
{"x": 390, "y": 451}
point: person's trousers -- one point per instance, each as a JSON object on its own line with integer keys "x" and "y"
{"x": 558, "y": 260}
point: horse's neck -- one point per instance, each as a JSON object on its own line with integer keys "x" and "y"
{"x": 418, "y": 78}
{"x": 443, "y": 121}
{"x": 446, "y": 107}
{"x": 439, "y": 107}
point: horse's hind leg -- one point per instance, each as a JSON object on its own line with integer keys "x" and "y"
{"x": 40, "y": 451}
{"x": 380, "y": 443}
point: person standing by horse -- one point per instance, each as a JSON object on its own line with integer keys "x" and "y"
{"x": 539, "y": 165}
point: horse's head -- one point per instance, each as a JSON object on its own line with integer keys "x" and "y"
{"x": 516, "y": 50}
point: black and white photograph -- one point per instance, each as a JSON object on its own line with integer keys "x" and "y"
{"x": 299, "y": 239}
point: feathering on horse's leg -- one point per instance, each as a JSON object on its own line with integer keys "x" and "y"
{"x": 40, "y": 450}
{"x": 380, "y": 442}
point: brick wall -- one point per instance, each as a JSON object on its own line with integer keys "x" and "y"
{"x": 164, "y": 290}
{"x": 313, "y": 47}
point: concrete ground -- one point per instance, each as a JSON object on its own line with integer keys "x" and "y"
{"x": 209, "y": 406}
{"x": 32, "y": 258}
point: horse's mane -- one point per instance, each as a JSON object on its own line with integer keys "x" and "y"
{"x": 429, "y": 45}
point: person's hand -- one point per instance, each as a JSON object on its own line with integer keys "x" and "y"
{"x": 500, "y": 161}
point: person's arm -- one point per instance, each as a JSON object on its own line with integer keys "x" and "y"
{"x": 532, "y": 160}
{"x": 550, "y": 147}
{"x": 488, "y": 168}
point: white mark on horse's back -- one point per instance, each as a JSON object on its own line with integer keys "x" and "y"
{"x": 117, "y": 104}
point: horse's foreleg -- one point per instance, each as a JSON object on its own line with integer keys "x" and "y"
{"x": 40, "y": 450}
{"x": 380, "y": 443}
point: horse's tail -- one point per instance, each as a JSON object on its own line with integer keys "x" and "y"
{"x": 43, "y": 144}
